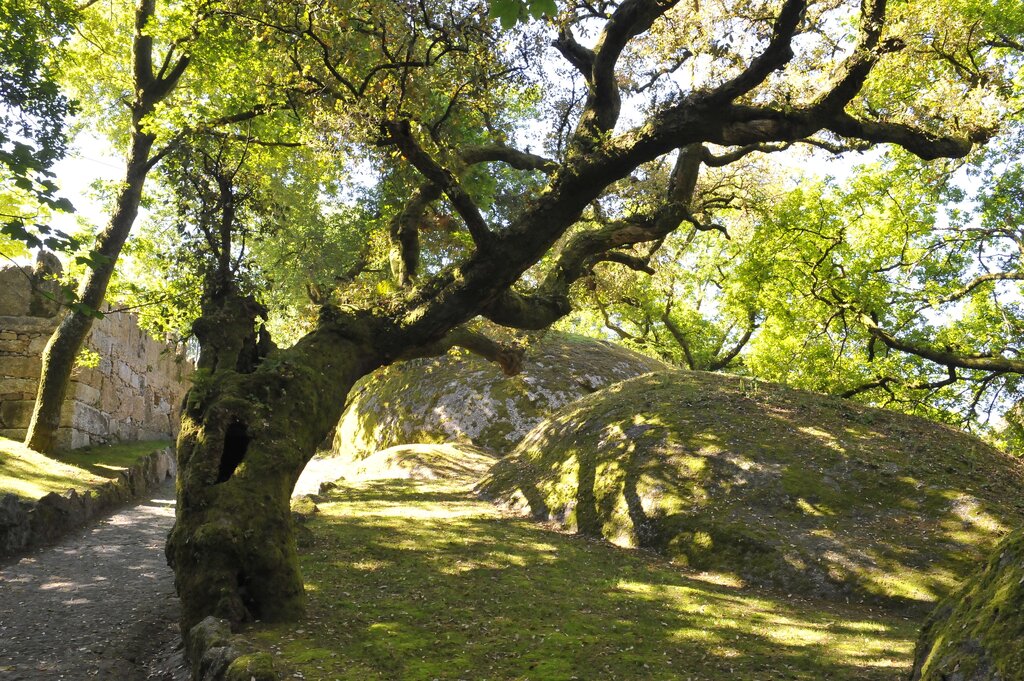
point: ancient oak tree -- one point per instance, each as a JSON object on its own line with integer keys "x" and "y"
{"x": 417, "y": 88}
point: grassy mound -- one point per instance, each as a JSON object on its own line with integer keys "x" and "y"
{"x": 782, "y": 487}
{"x": 466, "y": 399}
{"x": 977, "y": 634}
{"x": 31, "y": 475}
{"x": 418, "y": 580}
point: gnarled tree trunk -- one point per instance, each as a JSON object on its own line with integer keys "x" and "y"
{"x": 247, "y": 432}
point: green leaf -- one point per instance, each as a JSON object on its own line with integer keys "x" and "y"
{"x": 538, "y": 8}
{"x": 508, "y": 12}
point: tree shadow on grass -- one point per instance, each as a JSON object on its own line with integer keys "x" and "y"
{"x": 409, "y": 580}
{"x": 788, "y": 489}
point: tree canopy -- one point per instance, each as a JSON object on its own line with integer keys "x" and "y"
{"x": 33, "y": 116}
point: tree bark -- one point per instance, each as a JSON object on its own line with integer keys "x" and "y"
{"x": 59, "y": 355}
{"x": 245, "y": 439}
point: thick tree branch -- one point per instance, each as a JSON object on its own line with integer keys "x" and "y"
{"x": 946, "y": 358}
{"x": 400, "y": 134}
{"x": 776, "y": 55}
{"x": 924, "y": 144}
{"x": 509, "y": 358}
{"x": 630, "y": 19}
{"x": 550, "y": 300}
{"x": 405, "y": 234}
{"x": 152, "y": 88}
{"x": 577, "y": 55}
{"x": 529, "y": 311}
{"x": 520, "y": 160}
{"x": 712, "y": 161}
{"x": 142, "y": 48}
{"x": 584, "y": 249}
{"x": 850, "y": 77}
{"x": 631, "y": 261}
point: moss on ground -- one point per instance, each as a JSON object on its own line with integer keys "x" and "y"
{"x": 31, "y": 475}
{"x": 776, "y": 486}
{"x": 977, "y": 634}
{"x": 465, "y": 399}
{"x": 411, "y": 579}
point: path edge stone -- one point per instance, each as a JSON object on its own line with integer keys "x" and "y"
{"x": 215, "y": 654}
{"x": 27, "y": 524}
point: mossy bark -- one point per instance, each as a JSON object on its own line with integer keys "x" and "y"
{"x": 247, "y": 433}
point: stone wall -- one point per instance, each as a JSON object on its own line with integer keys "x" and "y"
{"x": 26, "y": 523}
{"x": 134, "y": 393}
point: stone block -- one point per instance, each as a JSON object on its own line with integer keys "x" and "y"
{"x": 28, "y": 325}
{"x": 16, "y": 413}
{"x": 15, "y": 291}
{"x": 14, "y": 433}
{"x": 67, "y": 414}
{"x": 13, "y": 345}
{"x": 16, "y": 366}
{"x": 36, "y": 343}
{"x": 90, "y": 420}
{"x": 83, "y": 392}
{"x": 105, "y": 367}
{"x": 109, "y": 397}
{"x": 19, "y": 386}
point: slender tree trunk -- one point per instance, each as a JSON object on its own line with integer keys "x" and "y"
{"x": 245, "y": 439}
{"x": 59, "y": 356}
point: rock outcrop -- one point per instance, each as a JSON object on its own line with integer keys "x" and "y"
{"x": 465, "y": 399}
{"x": 977, "y": 633}
{"x": 461, "y": 463}
{"x": 809, "y": 493}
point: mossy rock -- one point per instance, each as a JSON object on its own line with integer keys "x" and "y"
{"x": 977, "y": 633}
{"x": 780, "y": 487}
{"x": 466, "y": 399}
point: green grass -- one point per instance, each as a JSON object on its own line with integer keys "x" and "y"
{"x": 31, "y": 475}
{"x": 419, "y": 580}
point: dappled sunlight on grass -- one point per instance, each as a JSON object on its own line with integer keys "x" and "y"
{"x": 29, "y": 474}
{"x": 410, "y": 580}
{"x": 783, "y": 488}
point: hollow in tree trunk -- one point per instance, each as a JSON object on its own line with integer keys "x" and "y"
{"x": 249, "y": 427}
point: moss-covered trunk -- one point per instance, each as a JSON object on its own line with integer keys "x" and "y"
{"x": 244, "y": 441}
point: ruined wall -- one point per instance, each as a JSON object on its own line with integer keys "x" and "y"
{"x": 134, "y": 393}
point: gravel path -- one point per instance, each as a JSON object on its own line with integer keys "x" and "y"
{"x": 98, "y": 605}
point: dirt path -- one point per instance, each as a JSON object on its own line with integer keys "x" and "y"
{"x": 98, "y": 605}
